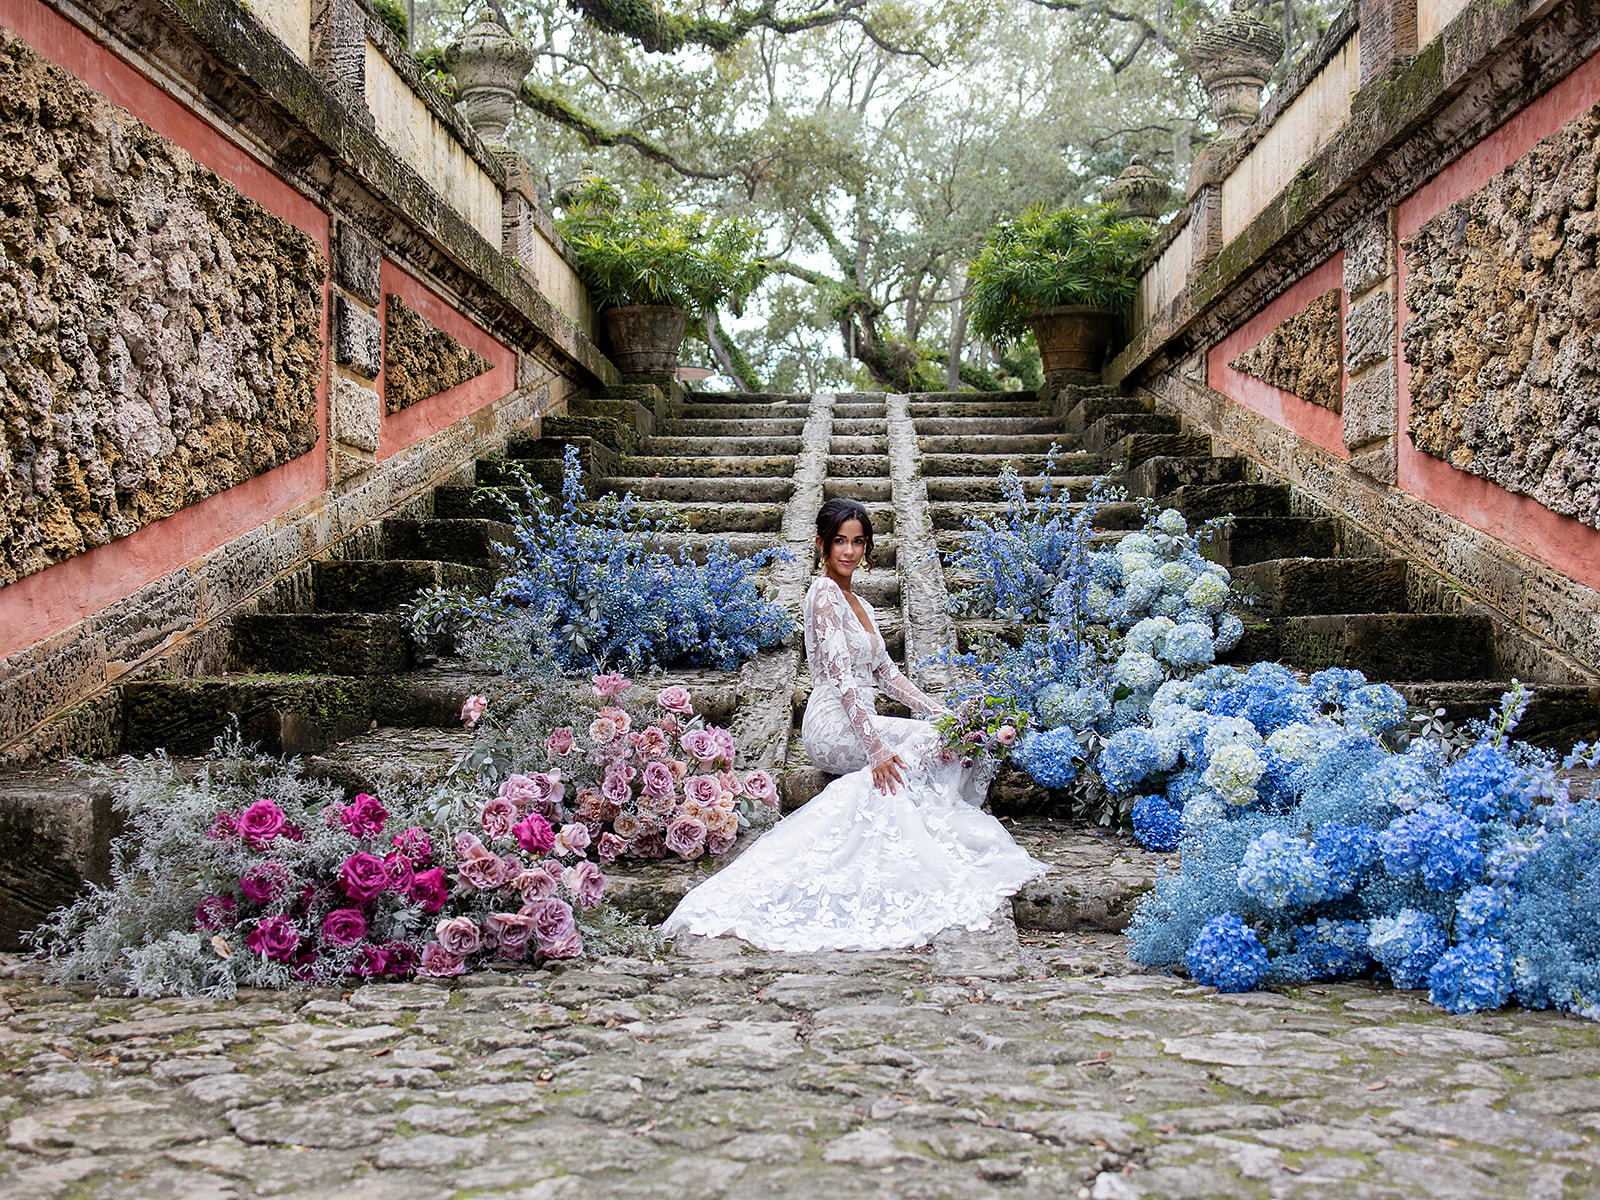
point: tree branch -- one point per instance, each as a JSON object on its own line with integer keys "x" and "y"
{"x": 658, "y": 31}
{"x": 1146, "y": 30}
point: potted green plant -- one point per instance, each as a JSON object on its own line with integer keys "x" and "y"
{"x": 1066, "y": 275}
{"x": 650, "y": 268}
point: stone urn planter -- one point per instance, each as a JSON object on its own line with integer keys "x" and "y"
{"x": 489, "y": 65}
{"x": 1234, "y": 57}
{"x": 1076, "y": 337}
{"x": 645, "y": 338}
{"x": 1137, "y": 192}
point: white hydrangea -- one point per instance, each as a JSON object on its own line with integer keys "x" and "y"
{"x": 1298, "y": 742}
{"x": 1138, "y": 671}
{"x": 1176, "y": 577}
{"x": 1208, "y": 593}
{"x": 1171, "y": 523}
{"x": 1169, "y": 746}
{"x": 1233, "y": 773}
{"x": 1132, "y": 564}
{"x": 1231, "y": 731}
{"x": 1099, "y": 597}
{"x": 1137, "y": 543}
{"x": 1147, "y": 634}
{"x": 1143, "y": 587}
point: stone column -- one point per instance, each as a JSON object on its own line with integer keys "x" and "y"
{"x": 355, "y": 409}
{"x": 1388, "y": 35}
{"x": 1370, "y": 407}
{"x": 522, "y": 214}
{"x": 339, "y": 53}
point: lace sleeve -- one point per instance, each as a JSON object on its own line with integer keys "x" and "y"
{"x": 831, "y": 665}
{"x": 892, "y": 681}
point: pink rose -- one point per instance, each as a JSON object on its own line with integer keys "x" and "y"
{"x": 686, "y": 837}
{"x": 414, "y": 844}
{"x": 730, "y": 783}
{"x": 588, "y": 884}
{"x": 363, "y": 876}
{"x": 573, "y": 839}
{"x": 427, "y": 890}
{"x": 365, "y": 817}
{"x": 570, "y": 946}
{"x": 619, "y": 718}
{"x": 482, "y": 871}
{"x": 274, "y": 937}
{"x": 535, "y": 884}
{"x": 541, "y": 791}
{"x": 470, "y": 846}
{"x": 675, "y": 699}
{"x": 723, "y": 740}
{"x": 703, "y": 790}
{"x": 699, "y": 745}
{"x": 719, "y": 843}
{"x": 265, "y": 882}
{"x": 459, "y": 935}
{"x": 651, "y": 743}
{"x": 658, "y": 780}
{"x": 1007, "y": 734}
{"x": 400, "y": 870}
{"x": 497, "y": 818}
{"x": 670, "y": 725}
{"x": 437, "y": 962}
{"x": 679, "y": 769}
{"x": 214, "y": 914}
{"x": 344, "y": 927}
{"x": 602, "y": 731}
{"x": 611, "y": 847}
{"x": 611, "y": 685}
{"x": 261, "y": 822}
{"x": 559, "y": 743}
{"x": 615, "y": 788}
{"x": 533, "y": 834}
{"x": 473, "y": 709}
{"x": 552, "y": 921}
{"x": 511, "y": 933}
{"x": 627, "y": 825}
{"x": 657, "y": 806}
{"x": 591, "y": 804}
{"x": 761, "y": 788}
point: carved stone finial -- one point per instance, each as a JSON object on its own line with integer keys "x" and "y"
{"x": 1137, "y": 192}
{"x": 1234, "y": 58}
{"x": 489, "y": 65}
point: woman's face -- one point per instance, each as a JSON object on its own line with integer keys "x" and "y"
{"x": 849, "y": 546}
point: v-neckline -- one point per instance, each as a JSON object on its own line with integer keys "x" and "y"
{"x": 867, "y": 626}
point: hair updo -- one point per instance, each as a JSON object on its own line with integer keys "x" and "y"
{"x": 834, "y": 514}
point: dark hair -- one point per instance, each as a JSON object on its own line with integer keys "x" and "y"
{"x": 835, "y": 513}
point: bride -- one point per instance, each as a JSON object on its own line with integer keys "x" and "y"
{"x": 894, "y": 850}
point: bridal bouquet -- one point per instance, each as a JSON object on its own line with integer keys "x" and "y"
{"x": 982, "y": 725}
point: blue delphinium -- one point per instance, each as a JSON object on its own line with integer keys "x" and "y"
{"x": 1156, "y": 824}
{"x": 1437, "y": 841}
{"x": 1471, "y": 977}
{"x": 1227, "y": 955}
{"x": 1346, "y": 851}
{"x": 1280, "y": 871}
{"x": 1407, "y": 944}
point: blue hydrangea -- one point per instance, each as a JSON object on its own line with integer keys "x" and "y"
{"x": 1227, "y": 955}
{"x": 1471, "y": 977}
{"x": 1346, "y": 851}
{"x": 1483, "y": 784}
{"x": 1147, "y": 635}
{"x": 1407, "y": 944}
{"x": 1281, "y": 872}
{"x": 1333, "y": 949}
{"x": 1209, "y": 594}
{"x": 1074, "y": 707}
{"x": 1051, "y": 757}
{"x": 1375, "y": 708}
{"x": 1407, "y": 780}
{"x": 1436, "y": 841}
{"x": 1188, "y": 645}
{"x": 1127, "y": 757}
{"x": 1334, "y": 684}
{"x": 1156, "y": 824}
{"x": 1479, "y": 912}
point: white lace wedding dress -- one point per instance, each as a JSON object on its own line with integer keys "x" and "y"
{"x": 858, "y": 868}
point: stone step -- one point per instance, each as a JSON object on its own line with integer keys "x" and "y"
{"x": 783, "y": 410}
{"x": 1410, "y": 646}
{"x": 1163, "y": 474}
{"x": 717, "y": 447}
{"x": 615, "y": 432}
{"x": 868, "y": 491}
{"x": 1205, "y": 501}
{"x": 681, "y": 489}
{"x": 390, "y": 757}
{"x": 1296, "y": 587}
{"x": 1113, "y": 427}
{"x": 472, "y": 543}
{"x": 860, "y": 426}
{"x": 786, "y": 427}
{"x": 1122, "y": 516}
{"x": 1027, "y": 465}
{"x": 972, "y": 488}
{"x": 320, "y": 643}
{"x": 1030, "y": 407}
{"x": 456, "y": 502}
{"x": 733, "y": 517}
{"x": 593, "y": 457}
{"x": 851, "y": 445}
{"x": 697, "y": 545}
{"x": 58, "y": 828}
{"x": 1033, "y": 446}
{"x": 878, "y": 587}
{"x": 1094, "y": 880}
{"x": 859, "y": 411}
{"x": 1134, "y": 449}
{"x": 382, "y": 585}
{"x": 1004, "y": 426}
{"x": 1256, "y": 539}
{"x": 1559, "y": 716}
{"x": 710, "y": 466}
{"x": 1094, "y": 405}
{"x": 858, "y": 466}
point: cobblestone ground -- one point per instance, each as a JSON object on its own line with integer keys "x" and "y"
{"x": 983, "y": 1066}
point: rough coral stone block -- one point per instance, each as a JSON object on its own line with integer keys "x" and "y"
{"x": 357, "y": 338}
{"x": 1366, "y": 255}
{"x": 357, "y": 414}
{"x": 357, "y": 259}
{"x": 1379, "y": 463}
{"x": 1368, "y": 332}
{"x": 1303, "y": 354}
{"x": 1369, "y": 408}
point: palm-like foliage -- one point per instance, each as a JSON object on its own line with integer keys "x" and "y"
{"x": 1043, "y": 259}
{"x": 648, "y": 252}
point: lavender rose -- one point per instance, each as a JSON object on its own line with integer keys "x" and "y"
{"x": 552, "y": 922}
{"x": 611, "y": 847}
{"x": 761, "y": 788}
{"x": 570, "y": 946}
{"x": 686, "y": 837}
{"x": 615, "y": 788}
{"x": 261, "y": 822}
{"x": 511, "y": 932}
{"x": 700, "y": 746}
{"x": 627, "y": 825}
{"x": 459, "y": 935}
{"x": 573, "y": 839}
{"x": 718, "y": 842}
{"x": 535, "y": 884}
{"x": 658, "y": 780}
{"x": 497, "y": 817}
{"x": 723, "y": 740}
{"x": 482, "y": 871}
{"x": 472, "y": 711}
{"x": 437, "y": 962}
{"x": 704, "y": 790}
{"x": 588, "y": 884}
{"x": 344, "y": 927}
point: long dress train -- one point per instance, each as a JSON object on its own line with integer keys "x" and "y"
{"x": 858, "y": 868}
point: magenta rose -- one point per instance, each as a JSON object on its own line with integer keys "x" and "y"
{"x": 274, "y": 937}
{"x": 611, "y": 847}
{"x": 363, "y": 877}
{"x": 675, "y": 699}
{"x": 723, "y": 740}
{"x": 570, "y": 946}
{"x": 760, "y": 787}
{"x": 535, "y": 884}
{"x": 364, "y": 817}
{"x": 658, "y": 780}
{"x": 438, "y": 963}
{"x": 427, "y": 890}
{"x": 414, "y": 844}
{"x": 497, "y": 818}
{"x": 344, "y": 927}
{"x": 482, "y": 871}
{"x": 224, "y": 827}
{"x": 552, "y": 921}
{"x": 401, "y": 871}
{"x": 686, "y": 837}
{"x": 371, "y": 961}
{"x": 719, "y": 842}
{"x": 700, "y": 746}
{"x": 559, "y": 743}
{"x": 588, "y": 884}
{"x": 264, "y": 883}
{"x": 459, "y": 935}
{"x": 703, "y": 790}
{"x": 214, "y": 914}
{"x": 261, "y": 822}
{"x": 402, "y": 957}
{"x": 533, "y": 834}
{"x": 511, "y": 932}
{"x": 573, "y": 839}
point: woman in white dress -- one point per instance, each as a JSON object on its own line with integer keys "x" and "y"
{"x": 894, "y": 850}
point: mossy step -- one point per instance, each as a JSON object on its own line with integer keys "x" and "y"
{"x": 617, "y": 433}
{"x": 869, "y": 491}
{"x": 1113, "y": 427}
{"x": 1032, "y": 446}
{"x": 382, "y": 585}
{"x": 721, "y": 399}
{"x": 1066, "y": 464}
{"x": 1206, "y": 501}
{"x": 860, "y": 426}
{"x": 594, "y": 458}
{"x": 1096, "y": 405}
{"x": 961, "y": 397}
{"x": 390, "y": 757}
{"x": 1299, "y": 587}
{"x": 858, "y": 466}
{"x": 690, "y": 490}
{"x": 1123, "y": 516}
{"x": 1411, "y": 646}
{"x": 718, "y": 447}
{"x": 320, "y": 643}
{"x": 1164, "y": 474}
{"x": 733, "y": 517}
{"x": 1134, "y": 449}
{"x": 697, "y": 546}
{"x": 1257, "y": 539}
{"x": 848, "y": 444}
{"x": 887, "y": 706}
{"x": 987, "y": 490}
{"x": 1095, "y": 877}
{"x": 1559, "y": 716}
{"x": 984, "y": 426}
{"x": 473, "y": 543}
{"x": 454, "y": 502}
{"x": 706, "y": 466}
{"x": 988, "y": 408}
{"x": 789, "y": 427}
{"x": 617, "y": 408}
{"x": 878, "y": 587}
{"x": 741, "y": 412}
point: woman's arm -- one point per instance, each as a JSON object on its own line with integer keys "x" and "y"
{"x": 893, "y": 681}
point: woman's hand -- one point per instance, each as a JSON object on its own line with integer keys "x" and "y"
{"x": 886, "y": 775}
